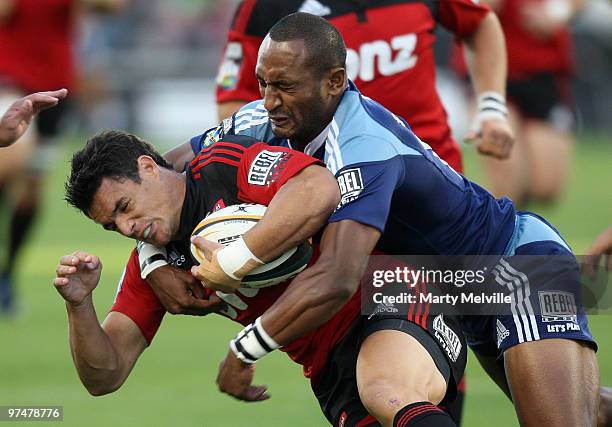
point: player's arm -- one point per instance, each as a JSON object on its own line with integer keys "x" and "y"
{"x": 103, "y": 354}
{"x": 311, "y": 299}
{"x": 487, "y": 65}
{"x": 300, "y": 195}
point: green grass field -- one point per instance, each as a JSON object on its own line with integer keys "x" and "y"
{"x": 173, "y": 383}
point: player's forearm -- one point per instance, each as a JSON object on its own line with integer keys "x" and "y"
{"x": 320, "y": 291}
{"x": 313, "y": 298}
{"x": 486, "y": 56}
{"x": 298, "y": 210}
{"x": 95, "y": 358}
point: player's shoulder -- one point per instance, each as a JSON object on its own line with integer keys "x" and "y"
{"x": 364, "y": 131}
{"x": 256, "y": 17}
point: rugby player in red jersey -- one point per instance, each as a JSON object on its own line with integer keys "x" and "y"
{"x": 390, "y": 58}
{"x": 111, "y": 182}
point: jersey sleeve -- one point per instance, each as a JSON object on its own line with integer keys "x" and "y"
{"x": 136, "y": 300}
{"x": 236, "y": 75}
{"x": 462, "y": 17}
{"x": 264, "y": 169}
{"x": 366, "y": 191}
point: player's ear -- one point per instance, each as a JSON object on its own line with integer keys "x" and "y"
{"x": 147, "y": 167}
{"x": 336, "y": 81}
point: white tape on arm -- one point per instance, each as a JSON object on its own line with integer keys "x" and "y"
{"x": 150, "y": 258}
{"x": 253, "y": 343}
{"x": 236, "y": 259}
{"x": 490, "y": 106}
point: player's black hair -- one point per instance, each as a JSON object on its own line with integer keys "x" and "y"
{"x": 109, "y": 154}
{"x": 324, "y": 44}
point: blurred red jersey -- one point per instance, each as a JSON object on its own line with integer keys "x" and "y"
{"x": 528, "y": 54}
{"x": 389, "y": 54}
{"x": 36, "y": 45}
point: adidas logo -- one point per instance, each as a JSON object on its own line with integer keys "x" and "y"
{"x": 314, "y": 8}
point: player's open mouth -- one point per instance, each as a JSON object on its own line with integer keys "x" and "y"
{"x": 147, "y": 231}
{"x": 279, "y": 121}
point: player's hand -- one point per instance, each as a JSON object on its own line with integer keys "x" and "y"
{"x": 17, "y": 118}
{"x": 180, "y": 293}
{"x": 495, "y": 138}
{"x": 235, "y": 378}
{"x": 209, "y": 272}
{"x": 602, "y": 246}
{"x": 78, "y": 275}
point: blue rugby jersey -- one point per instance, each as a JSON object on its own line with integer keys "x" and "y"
{"x": 391, "y": 180}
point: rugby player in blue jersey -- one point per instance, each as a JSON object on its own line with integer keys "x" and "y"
{"x": 403, "y": 199}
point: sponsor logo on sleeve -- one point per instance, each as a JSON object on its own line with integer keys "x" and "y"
{"x": 351, "y": 185}
{"x": 447, "y": 338}
{"x": 267, "y": 167}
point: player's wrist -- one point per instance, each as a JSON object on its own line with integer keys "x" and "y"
{"x": 253, "y": 343}
{"x": 236, "y": 259}
{"x": 150, "y": 258}
{"x": 490, "y": 105}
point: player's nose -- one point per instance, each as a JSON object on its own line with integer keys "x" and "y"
{"x": 271, "y": 99}
{"x": 126, "y": 226}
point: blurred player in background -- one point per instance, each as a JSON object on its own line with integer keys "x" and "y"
{"x": 390, "y": 58}
{"x": 540, "y": 69}
{"x": 36, "y": 44}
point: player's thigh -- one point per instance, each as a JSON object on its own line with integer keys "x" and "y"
{"x": 394, "y": 370}
{"x": 550, "y": 152}
{"x": 554, "y": 382}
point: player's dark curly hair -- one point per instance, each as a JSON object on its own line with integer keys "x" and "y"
{"x": 110, "y": 154}
{"x": 324, "y": 44}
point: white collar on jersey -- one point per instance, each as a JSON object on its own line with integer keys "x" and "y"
{"x": 316, "y": 143}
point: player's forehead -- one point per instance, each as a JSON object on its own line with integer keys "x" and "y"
{"x": 110, "y": 193}
{"x": 278, "y": 60}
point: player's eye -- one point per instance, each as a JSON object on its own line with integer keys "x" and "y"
{"x": 124, "y": 206}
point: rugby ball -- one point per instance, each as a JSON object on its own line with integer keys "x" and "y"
{"x": 228, "y": 224}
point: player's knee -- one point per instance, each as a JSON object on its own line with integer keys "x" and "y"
{"x": 383, "y": 397}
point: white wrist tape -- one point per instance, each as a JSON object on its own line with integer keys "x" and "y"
{"x": 234, "y": 259}
{"x": 253, "y": 343}
{"x": 150, "y": 258}
{"x": 490, "y": 106}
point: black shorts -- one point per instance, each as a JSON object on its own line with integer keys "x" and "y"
{"x": 336, "y": 387}
{"x": 543, "y": 96}
{"x": 49, "y": 121}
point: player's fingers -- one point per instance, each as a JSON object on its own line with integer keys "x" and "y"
{"x": 61, "y": 281}
{"x": 205, "y": 245}
{"x": 256, "y": 394}
{"x": 60, "y": 93}
{"x": 65, "y": 270}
